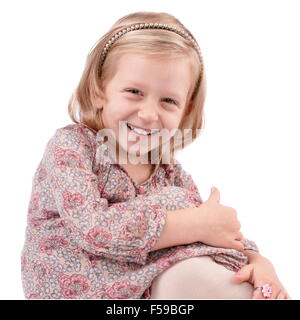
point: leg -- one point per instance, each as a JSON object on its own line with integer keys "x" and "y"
{"x": 198, "y": 278}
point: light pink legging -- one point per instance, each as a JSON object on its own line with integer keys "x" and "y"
{"x": 199, "y": 278}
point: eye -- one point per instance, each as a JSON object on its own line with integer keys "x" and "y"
{"x": 135, "y": 91}
{"x": 132, "y": 90}
{"x": 171, "y": 101}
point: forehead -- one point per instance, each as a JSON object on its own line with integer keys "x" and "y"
{"x": 143, "y": 70}
{"x": 137, "y": 63}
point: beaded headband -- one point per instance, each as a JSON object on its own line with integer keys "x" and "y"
{"x": 181, "y": 32}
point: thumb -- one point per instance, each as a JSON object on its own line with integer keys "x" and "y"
{"x": 242, "y": 275}
{"x": 214, "y": 195}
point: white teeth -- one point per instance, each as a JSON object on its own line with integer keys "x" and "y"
{"x": 141, "y": 131}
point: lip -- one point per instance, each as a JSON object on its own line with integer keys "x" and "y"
{"x": 147, "y": 130}
{"x": 130, "y": 131}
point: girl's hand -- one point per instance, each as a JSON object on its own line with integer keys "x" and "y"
{"x": 259, "y": 272}
{"x": 217, "y": 224}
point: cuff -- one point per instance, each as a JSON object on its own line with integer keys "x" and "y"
{"x": 155, "y": 227}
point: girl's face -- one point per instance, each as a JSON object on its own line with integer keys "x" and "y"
{"x": 148, "y": 93}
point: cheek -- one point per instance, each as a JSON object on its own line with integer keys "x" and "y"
{"x": 112, "y": 114}
{"x": 172, "y": 121}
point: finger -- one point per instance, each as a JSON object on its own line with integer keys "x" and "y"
{"x": 214, "y": 195}
{"x": 238, "y": 225}
{"x": 257, "y": 294}
{"x": 280, "y": 295}
{"x": 276, "y": 294}
{"x": 244, "y": 274}
{"x": 239, "y": 236}
{"x": 286, "y": 295}
{"x": 238, "y": 245}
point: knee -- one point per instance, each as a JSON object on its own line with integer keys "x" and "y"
{"x": 199, "y": 278}
{"x": 182, "y": 279}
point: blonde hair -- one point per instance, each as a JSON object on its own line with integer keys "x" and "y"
{"x": 81, "y": 106}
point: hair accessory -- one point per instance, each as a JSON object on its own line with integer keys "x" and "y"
{"x": 266, "y": 290}
{"x": 119, "y": 34}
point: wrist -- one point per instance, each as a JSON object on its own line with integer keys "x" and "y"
{"x": 197, "y": 223}
{"x": 187, "y": 222}
{"x": 253, "y": 255}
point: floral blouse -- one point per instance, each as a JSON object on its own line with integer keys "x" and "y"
{"x": 91, "y": 228}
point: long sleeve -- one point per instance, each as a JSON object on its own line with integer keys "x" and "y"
{"x": 249, "y": 245}
{"x": 184, "y": 180}
{"x": 124, "y": 231}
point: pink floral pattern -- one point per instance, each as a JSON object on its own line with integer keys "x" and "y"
{"x": 91, "y": 228}
{"x": 73, "y": 286}
{"x": 47, "y": 245}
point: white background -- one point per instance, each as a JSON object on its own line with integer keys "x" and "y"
{"x": 249, "y": 148}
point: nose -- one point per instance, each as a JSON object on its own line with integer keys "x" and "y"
{"x": 148, "y": 113}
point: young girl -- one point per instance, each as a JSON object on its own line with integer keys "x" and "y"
{"x": 103, "y": 228}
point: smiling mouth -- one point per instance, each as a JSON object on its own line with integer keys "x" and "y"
{"x": 140, "y": 131}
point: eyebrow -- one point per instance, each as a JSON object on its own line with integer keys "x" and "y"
{"x": 136, "y": 84}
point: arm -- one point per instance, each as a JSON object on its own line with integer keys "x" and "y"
{"x": 184, "y": 180}
{"x": 252, "y": 255}
{"x": 178, "y": 229}
{"x": 124, "y": 231}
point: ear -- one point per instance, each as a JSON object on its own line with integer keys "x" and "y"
{"x": 99, "y": 101}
